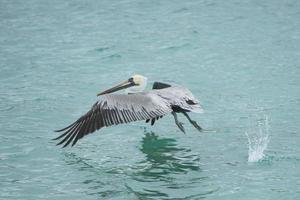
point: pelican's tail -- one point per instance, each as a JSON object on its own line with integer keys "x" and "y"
{"x": 196, "y": 108}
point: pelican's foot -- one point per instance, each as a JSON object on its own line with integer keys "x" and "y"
{"x": 194, "y": 123}
{"x": 180, "y": 126}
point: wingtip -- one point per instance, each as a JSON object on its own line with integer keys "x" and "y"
{"x": 73, "y": 144}
{"x": 60, "y": 130}
{"x": 60, "y": 143}
{"x": 63, "y": 129}
{"x": 56, "y": 138}
{"x": 57, "y": 144}
{"x": 60, "y": 136}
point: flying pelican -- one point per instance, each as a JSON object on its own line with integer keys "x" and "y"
{"x": 136, "y": 105}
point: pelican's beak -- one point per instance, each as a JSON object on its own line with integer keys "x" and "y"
{"x": 123, "y": 85}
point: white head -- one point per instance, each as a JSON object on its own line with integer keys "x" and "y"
{"x": 140, "y": 83}
{"x": 136, "y": 83}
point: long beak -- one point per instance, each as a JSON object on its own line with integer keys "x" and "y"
{"x": 123, "y": 85}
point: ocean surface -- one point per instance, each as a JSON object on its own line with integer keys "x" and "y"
{"x": 241, "y": 59}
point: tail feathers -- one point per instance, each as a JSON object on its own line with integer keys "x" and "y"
{"x": 197, "y": 109}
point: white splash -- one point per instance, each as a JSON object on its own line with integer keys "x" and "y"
{"x": 258, "y": 140}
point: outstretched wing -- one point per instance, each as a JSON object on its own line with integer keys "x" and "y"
{"x": 115, "y": 109}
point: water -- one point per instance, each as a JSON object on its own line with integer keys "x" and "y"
{"x": 258, "y": 140}
{"x": 241, "y": 59}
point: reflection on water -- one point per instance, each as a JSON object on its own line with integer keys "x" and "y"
{"x": 166, "y": 169}
{"x": 160, "y": 172}
{"x": 164, "y": 157}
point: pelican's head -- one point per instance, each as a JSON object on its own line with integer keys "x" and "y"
{"x": 136, "y": 83}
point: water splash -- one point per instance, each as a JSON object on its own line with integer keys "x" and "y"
{"x": 258, "y": 140}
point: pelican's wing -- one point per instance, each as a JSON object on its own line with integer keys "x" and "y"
{"x": 115, "y": 109}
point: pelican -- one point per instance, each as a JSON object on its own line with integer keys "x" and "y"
{"x": 135, "y": 105}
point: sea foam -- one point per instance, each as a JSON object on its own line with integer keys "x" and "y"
{"x": 258, "y": 140}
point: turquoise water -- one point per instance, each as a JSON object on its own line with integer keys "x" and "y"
{"x": 240, "y": 58}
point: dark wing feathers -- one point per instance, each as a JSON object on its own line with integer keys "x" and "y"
{"x": 160, "y": 85}
{"x": 113, "y": 110}
{"x": 153, "y": 120}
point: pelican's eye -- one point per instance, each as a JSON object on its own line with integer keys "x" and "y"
{"x": 132, "y": 81}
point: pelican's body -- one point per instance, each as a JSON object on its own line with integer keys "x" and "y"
{"x": 114, "y": 109}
